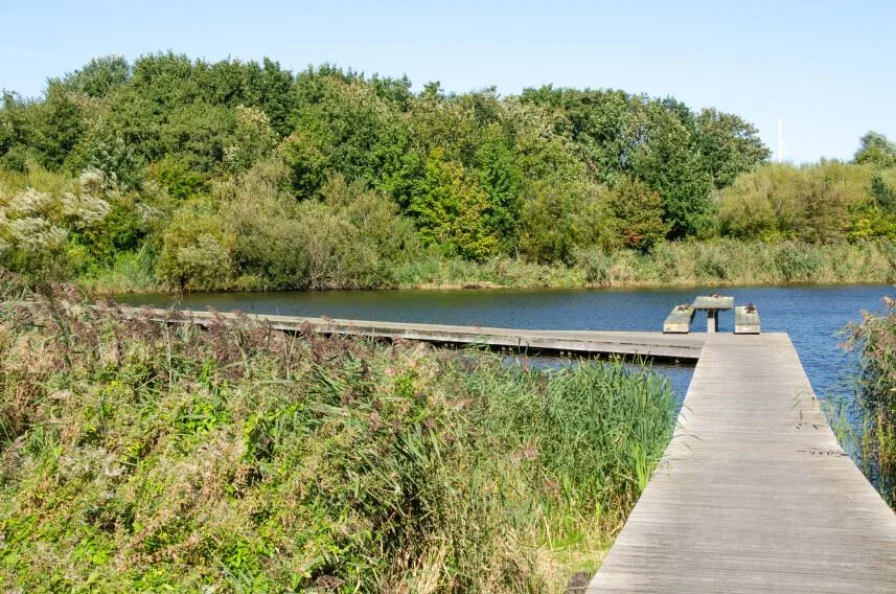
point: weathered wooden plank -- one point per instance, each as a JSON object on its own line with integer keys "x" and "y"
{"x": 679, "y": 320}
{"x": 754, "y": 494}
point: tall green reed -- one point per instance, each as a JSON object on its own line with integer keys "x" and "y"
{"x": 139, "y": 456}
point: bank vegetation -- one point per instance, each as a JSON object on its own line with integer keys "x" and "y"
{"x": 137, "y": 456}
{"x": 875, "y": 441}
{"x": 174, "y": 174}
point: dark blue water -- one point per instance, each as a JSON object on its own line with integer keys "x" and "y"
{"x": 813, "y": 316}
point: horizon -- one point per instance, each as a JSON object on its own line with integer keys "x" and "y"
{"x": 822, "y": 75}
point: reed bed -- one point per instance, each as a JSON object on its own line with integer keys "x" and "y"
{"x": 875, "y": 339}
{"x": 145, "y": 457}
{"x": 720, "y": 262}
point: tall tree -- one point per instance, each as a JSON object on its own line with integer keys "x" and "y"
{"x": 638, "y": 214}
{"x": 728, "y": 146}
{"x": 452, "y": 212}
{"x": 99, "y": 77}
{"x": 61, "y": 126}
{"x": 876, "y": 149}
{"x": 668, "y": 163}
{"x": 272, "y": 89}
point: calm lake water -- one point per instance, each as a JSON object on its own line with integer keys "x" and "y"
{"x": 813, "y": 316}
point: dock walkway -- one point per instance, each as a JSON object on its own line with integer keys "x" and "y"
{"x": 754, "y": 494}
{"x": 683, "y": 348}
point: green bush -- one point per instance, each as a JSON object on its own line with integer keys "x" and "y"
{"x": 821, "y": 203}
{"x": 197, "y": 251}
{"x": 596, "y": 265}
{"x": 176, "y": 176}
{"x": 260, "y": 238}
{"x": 638, "y": 215}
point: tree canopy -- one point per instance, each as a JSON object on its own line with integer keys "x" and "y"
{"x": 474, "y": 175}
{"x": 876, "y": 149}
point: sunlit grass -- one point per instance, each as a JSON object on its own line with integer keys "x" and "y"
{"x": 138, "y": 456}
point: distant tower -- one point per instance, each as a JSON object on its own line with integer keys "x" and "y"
{"x": 780, "y": 141}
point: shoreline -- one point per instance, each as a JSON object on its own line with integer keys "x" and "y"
{"x": 713, "y": 264}
{"x": 488, "y": 286}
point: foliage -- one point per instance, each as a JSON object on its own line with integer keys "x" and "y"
{"x": 554, "y": 177}
{"x": 306, "y": 162}
{"x": 728, "y": 145}
{"x": 718, "y": 262}
{"x": 52, "y": 226}
{"x": 197, "y": 250}
{"x": 681, "y": 155}
{"x": 639, "y": 215}
{"x": 876, "y": 149}
{"x": 560, "y": 217}
{"x": 252, "y": 235}
{"x": 875, "y": 338}
{"x": 144, "y": 457}
{"x": 669, "y": 163}
{"x": 818, "y": 203}
{"x": 99, "y": 77}
{"x": 452, "y": 212}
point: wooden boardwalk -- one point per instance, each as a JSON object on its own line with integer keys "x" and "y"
{"x": 682, "y": 347}
{"x": 754, "y": 494}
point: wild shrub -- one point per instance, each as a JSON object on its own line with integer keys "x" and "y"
{"x": 197, "y": 251}
{"x": 596, "y": 265}
{"x": 254, "y": 235}
{"x": 813, "y": 203}
{"x": 143, "y": 456}
{"x": 638, "y": 214}
{"x": 59, "y": 225}
{"x": 713, "y": 263}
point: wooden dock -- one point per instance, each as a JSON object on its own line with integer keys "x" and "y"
{"x": 754, "y": 494}
{"x": 655, "y": 345}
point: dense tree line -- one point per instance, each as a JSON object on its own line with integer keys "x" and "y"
{"x": 250, "y": 173}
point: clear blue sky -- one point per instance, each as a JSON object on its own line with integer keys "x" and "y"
{"x": 825, "y": 68}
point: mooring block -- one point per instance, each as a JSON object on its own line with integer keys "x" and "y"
{"x": 746, "y": 319}
{"x": 679, "y": 320}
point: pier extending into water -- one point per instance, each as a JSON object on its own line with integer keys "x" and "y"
{"x": 753, "y": 495}
{"x": 654, "y": 345}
